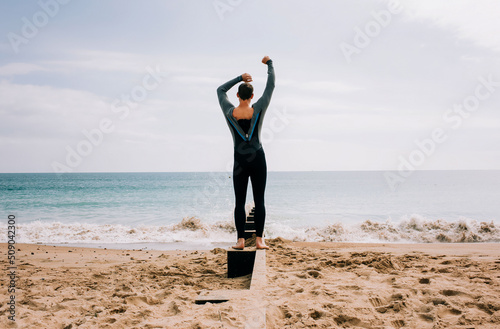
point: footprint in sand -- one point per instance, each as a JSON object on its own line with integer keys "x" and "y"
{"x": 488, "y": 307}
{"x": 173, "y": 309}
{"x": 376, "y": 301}
{"x": 350, "y": 287}
{"x": 141, "y": 300}
{"x": 426, "y": 317}
{"x": 36, "y": 306}
{"x": 316, "y": 314}
{"x": 398, "y": 323}
{"x": 379, "y": 304}
{"x": 315, "y": 274}
{"x": 444, "y": 311}
{"x": 118, "y": 310}
{"x": 347, "y": 320}
{"x": 450, "y": 292}
{"x": 288, "y": 312}
{"x": 438, "y": 301}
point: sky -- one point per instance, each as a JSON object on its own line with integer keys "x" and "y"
{"x": 130, "y": 86}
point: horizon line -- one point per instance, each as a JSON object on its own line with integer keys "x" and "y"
{"x": 269, "y": 171}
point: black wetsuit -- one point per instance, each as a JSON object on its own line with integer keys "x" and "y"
{"x": 249, "y": 157}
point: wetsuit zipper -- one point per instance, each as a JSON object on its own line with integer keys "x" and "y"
{"x": 227, "y": 107}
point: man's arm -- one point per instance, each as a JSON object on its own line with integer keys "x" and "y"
{"x": 264, "y": 101}
{"x": 224, "y": 102}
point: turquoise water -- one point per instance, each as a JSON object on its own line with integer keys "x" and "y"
{"x": 310, "y": 206}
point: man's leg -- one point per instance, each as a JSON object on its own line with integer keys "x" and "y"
{"x": 240, "y": 183}
{"x": 259, "y": 178}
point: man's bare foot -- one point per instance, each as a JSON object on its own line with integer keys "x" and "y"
{"x": 240, "y": 244}
{"x": 260, "y": 244}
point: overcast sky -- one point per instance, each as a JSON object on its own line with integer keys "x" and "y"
{"x": 131, "y": 85}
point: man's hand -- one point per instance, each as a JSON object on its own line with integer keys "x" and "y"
{"x": 246, "y": 77}
{"x": 265, "y": 59}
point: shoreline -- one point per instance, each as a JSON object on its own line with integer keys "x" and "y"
{"x": 144, "y": 245}
{"x": 310, "y": 284}
{"x": 191, "y": 246}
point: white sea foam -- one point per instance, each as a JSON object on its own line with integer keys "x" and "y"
{"x": 194, "y": 230}
{"x": 412, "y": 229}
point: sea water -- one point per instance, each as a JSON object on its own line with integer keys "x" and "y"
{"x": 194, "y": 209}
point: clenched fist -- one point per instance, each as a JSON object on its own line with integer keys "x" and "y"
{"x": 246, "y": 77}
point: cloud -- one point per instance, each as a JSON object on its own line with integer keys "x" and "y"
{"x": 329, "y": 86}
{"x": 396, "y": 90}
{"x": 96, "y": 60}
{"x": 48, "y": 112}
{"x": 473, "y": 20}
{"x": 197, "y": 80}
{"x": 12, "y": 69}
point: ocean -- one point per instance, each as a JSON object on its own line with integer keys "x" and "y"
{"x": 195, "y": 210}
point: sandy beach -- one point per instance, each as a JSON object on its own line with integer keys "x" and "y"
{"x": 309, "y": 285}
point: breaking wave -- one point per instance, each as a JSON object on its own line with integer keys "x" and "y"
{"x": 412, "y": 230}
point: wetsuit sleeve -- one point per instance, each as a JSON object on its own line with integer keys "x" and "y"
{"x": 264, "y": 101}
{"x": 224, "y": 102}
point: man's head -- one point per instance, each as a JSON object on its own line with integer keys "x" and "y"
{"x": 245, "y": 91}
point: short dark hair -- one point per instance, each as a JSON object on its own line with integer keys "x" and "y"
{"x": 245, "y": 90}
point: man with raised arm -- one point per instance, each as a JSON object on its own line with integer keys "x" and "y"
{"x": 245, "y": 122}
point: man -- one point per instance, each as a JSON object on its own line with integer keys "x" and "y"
{"x": 245, "y": 123}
